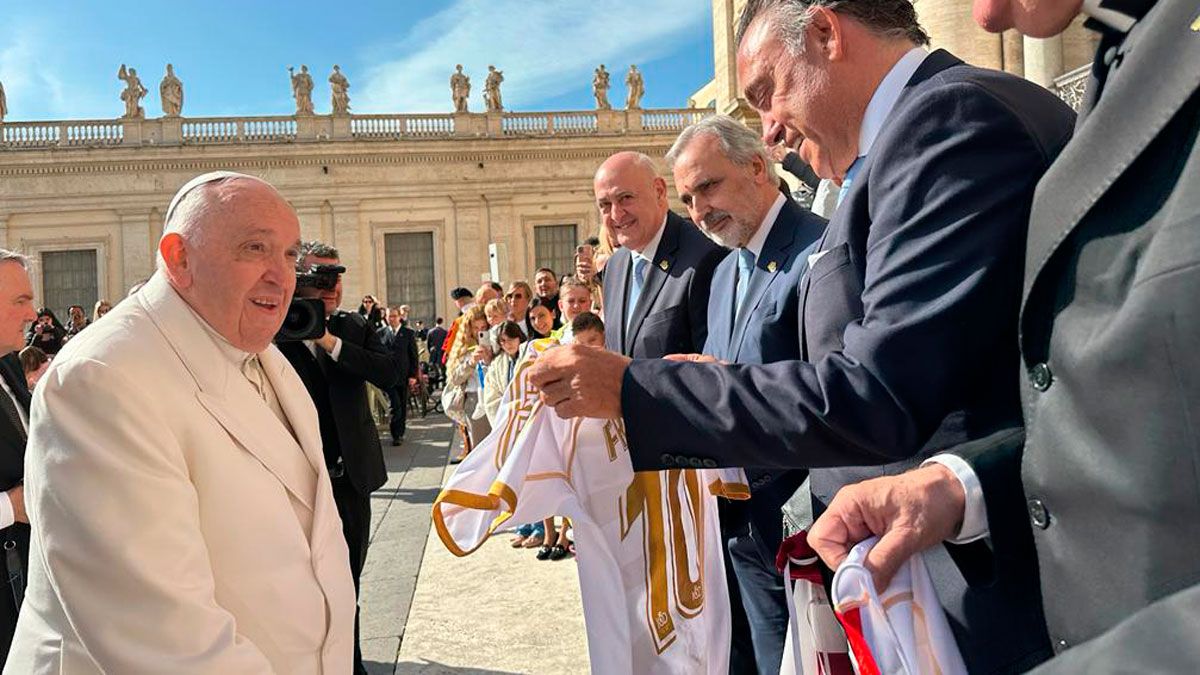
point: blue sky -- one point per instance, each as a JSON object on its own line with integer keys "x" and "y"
{"x": 59, "y": 58}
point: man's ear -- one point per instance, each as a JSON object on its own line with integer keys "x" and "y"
{"x": 825, "y": 34}
{"x": 174, "y": 253}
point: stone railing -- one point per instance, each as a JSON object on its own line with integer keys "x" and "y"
{"x": 313, "y": 128}
{"x": 1071, "y": 86}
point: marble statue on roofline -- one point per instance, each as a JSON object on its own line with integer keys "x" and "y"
{"x": 491, "y": 90}
{"x": 170, "y": 90}
{"x": 636, "y": 89}
{"x": 133, "y": 93}
{"x": 302, "y": 88}
{"x": 600, "y": 85}
{"x": 339, "y": 88}
{"x": 460, "y": 89}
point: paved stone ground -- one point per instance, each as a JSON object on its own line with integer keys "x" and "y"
{"x": 425, "y": 611}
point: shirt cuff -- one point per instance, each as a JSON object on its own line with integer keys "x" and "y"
{"x": 7, "y": 517}
{"x": 974, "y": 523}
{"x": 337, "y": 348}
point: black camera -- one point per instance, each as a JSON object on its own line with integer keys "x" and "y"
{"x": 305, "y": 318}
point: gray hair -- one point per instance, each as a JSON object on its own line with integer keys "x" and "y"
{"x": 315, "y": 249}
{"x": 739, "y": 143}
{"x": 194, "y": 202}
{"x": 19, "y": 258}
{"x": 896, "y": 19}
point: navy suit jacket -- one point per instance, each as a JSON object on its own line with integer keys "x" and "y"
{"x": 670, "y": 316}
{"x": 906, "y": 323}
{"x": 765, "y": 332}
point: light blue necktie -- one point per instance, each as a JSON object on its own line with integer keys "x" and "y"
{"x": 635, "y": 288}
{"x": 849, "y": 179}
{"x": 745, "y": 269}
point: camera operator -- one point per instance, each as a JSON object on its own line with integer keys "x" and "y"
{"x": 335, "y": 369}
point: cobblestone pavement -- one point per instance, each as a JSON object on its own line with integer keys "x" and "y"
{"x": 425, "y": 611}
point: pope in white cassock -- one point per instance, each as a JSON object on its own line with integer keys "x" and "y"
{"x": 183, "y": 520}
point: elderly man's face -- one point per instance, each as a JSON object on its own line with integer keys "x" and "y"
{"x": 333, "y": 297}
{"x": 799, "y": 99}
{"x": 16, "y": 306}
{"x": 240, "y": 272}
{"x": 1036, "y": 18}
{"x": 726, "y": 200}
{"x": 632, "y": 200}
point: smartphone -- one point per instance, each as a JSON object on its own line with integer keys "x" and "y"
{"x": 585, "y": 252}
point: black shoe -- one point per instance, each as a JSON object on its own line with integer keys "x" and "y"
{"x": 558, "y": 553}
{"x": 397, "y": 441}
{"x": 545, "y": 552}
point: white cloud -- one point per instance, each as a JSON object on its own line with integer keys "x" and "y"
{"x": 544, "y": 47}
{"x": 32, "y": 73}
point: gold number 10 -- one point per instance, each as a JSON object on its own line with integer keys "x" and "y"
{"x": 644, "y": 498}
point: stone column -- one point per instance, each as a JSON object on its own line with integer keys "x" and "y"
{"x": 355, "y": 252}
{"x": 341, "y": 127}
{"x": 1043, "y": 60}
{"x": 309, "y": 216}
{"x": 134, "y": 259}
{"x": 132, "y": 134}
{"x": 4, "y": 216}
{"x": 470, "y": 124}
{"x": 172, "y": 130}
{"x": 610, "y": 121}
{"x": 495, "y": 125}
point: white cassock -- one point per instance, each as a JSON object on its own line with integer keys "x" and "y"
{"x": 179, "y": 524}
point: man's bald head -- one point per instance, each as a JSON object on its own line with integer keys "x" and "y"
{"x": 632, "y": 198}
{"x": 229, "y": 248}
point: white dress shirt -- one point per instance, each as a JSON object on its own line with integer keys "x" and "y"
{"x": 759, "y": 240}
{"x": 885, "y": 97}
{"x": 651, "y": 249}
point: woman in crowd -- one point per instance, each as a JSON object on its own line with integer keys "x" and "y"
{"x": 541, "y": 319}
{"x": 46, "y": 333}
{"x": 102, "y": 307}
{"x": 372, "y": 311}
{"x": 463, "y": 381}
{"x": 76, "y": 321}
{"x": 34, "y": 363}
{"x": 519, "y": 295}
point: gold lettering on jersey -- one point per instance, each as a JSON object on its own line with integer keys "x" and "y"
{"x": 614, "y": 438}
{"x": 683, "y": 512}
{"x": 524, "y": 400}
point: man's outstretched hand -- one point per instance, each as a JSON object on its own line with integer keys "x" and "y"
{"x": 580, "y": 381}
{"x": 910, "y": 513}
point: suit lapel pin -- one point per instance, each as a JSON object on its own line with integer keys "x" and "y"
{"x": 771, "y": 267}
{"x": 1196, "y": 24}
{"x": 664, "y": 265}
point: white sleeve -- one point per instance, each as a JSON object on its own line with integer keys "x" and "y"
{"x": 7, "y": 515}
{"x": 116, "y": 517}
{"x": 337, "y": 348}
{"x": 974, "y": 522}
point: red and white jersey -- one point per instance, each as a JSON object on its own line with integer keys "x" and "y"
{"x": 651, "y": 574}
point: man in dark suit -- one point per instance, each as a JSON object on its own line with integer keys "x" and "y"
{"x": 16, "y": 312}
{"x": 437, "y": 336}
{"x": 335, "y": 369}
{"x": 1097, "y": 498}
{"x": 909, "y": 303}
{"x": 402, "y": 342}
{"x": 728, "y": 183}
{"x": 656, "y": 289}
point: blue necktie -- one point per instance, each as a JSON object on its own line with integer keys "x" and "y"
{"x": 635, "y": 287}
{"x": 849, "y": 179}
{"x": 745, "y": 269}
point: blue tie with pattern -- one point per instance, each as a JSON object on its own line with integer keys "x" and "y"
{"x": 745, "y": 269}
{"x": 635, "y": 287}
{"x": 849, "y": 179}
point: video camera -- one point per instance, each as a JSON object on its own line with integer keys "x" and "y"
{"x": 305, "y": 318}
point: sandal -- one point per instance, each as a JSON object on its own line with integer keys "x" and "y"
{"x": 558, "y": 553}
{"x": 544, "y": 553}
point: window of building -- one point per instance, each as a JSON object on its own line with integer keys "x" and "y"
{"x": 554, "y": 247}
{"x": 408, "y": 260}
{"x": 69, "y": 278}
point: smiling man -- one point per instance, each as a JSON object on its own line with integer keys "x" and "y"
{"x": 911, "y": 297}
{"x": 183, "y": 519}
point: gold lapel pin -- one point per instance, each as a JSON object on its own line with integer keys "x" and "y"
{"x": 664, "y": 265}
{"x": 771, "y": 267}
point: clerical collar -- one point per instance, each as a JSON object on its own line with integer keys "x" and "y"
{"x": 1115, "y": 15}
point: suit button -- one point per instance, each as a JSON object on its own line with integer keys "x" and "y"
{"x": 1060, "y": 646}
{"x": 1040, "y": 376}
{"x": 667, "y": 459}
{"x": 1038, "y": 515}
{"x": 696, "y": 463}
{"x": 710, "y": 463}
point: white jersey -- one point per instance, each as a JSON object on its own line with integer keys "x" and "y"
{"x": 651, "y": 573}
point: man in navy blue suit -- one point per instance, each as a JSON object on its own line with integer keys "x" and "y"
{"x": 728, "y": 183}
{"x": 911, "y": 299}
